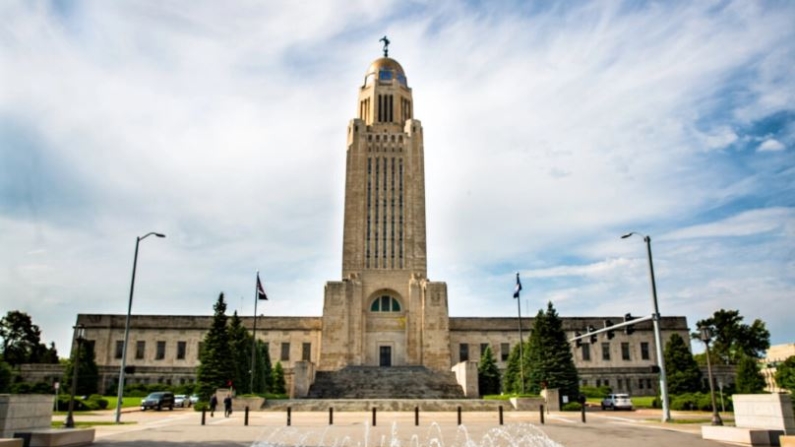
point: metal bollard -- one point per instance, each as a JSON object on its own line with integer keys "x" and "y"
{"x": 500, "y": 414}
{"x": 289, "y": 411}
{"x": 331, "y": 416}
{"x": 373, "y": 416}
{"x": 416, "y": 416}
{"x": 541, "y": 408}
{"x": 204, "y": 415}
{"x": 245, "y": 420}
{"x": 459, "y": 415}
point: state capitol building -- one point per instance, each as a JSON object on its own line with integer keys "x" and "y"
{"x": 384, "y": 311}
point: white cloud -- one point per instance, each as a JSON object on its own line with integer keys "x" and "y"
{"x": 547, "y": 136}
{"x": 770, "y": 144}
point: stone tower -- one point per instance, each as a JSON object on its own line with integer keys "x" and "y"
{"x": 385, "y": 311}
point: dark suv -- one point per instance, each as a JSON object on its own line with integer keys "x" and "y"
{"x": 159, "y": 400}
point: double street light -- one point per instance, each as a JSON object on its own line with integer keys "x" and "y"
{"x": 706, "y": 336}
{"x": 79, "y": 337}
{"x": 127, "y": 325}
{"x": 666, "y": 413}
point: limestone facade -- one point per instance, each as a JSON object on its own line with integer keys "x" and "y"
{"x": 384, "y": 311}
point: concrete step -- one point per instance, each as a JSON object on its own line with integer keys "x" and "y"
{"x": 368, "y": 382}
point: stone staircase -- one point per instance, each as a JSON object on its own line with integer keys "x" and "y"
{"x": 395, "y": 382}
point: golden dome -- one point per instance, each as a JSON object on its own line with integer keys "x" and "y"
{"x": 385, "y": 63}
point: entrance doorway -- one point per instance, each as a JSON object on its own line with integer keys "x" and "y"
{"x": 385, "y": 356}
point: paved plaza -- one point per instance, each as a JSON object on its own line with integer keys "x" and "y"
{"x": 435, "y": 429}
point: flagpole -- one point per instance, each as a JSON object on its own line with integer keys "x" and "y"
{"x": 254, "y": 337}
{"x": 519, "y": 310}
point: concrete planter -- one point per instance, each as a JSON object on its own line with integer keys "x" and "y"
{"x": 24, "y": 413}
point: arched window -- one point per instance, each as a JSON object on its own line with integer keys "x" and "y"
{"x": 385, "y": 303}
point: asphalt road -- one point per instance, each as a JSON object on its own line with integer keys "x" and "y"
{"x": 479, "y": 429}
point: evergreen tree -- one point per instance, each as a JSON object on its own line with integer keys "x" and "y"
{"x": 511, "y": 381}
{"x": 240, "y": 343}
{"x": 216, "y": 366}
{"x": 488, "y": 374}
{"x": 279, "y": 385}
{"x": 549, "y": 358}
{"x": 263, "y": 380}
{"x": 684, "y": 375}
{"x": 88, "y": 371}
{"x": 749, "y": 378}
{"x": 785, "y": 374}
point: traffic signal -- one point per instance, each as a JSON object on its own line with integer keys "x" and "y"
{"x": 593, "y": 336}
{"x": 631, "y": 328}
{"x": 609, "y": 334}
{"x": 655, "y": 369}
{"x": 578, "y": 342}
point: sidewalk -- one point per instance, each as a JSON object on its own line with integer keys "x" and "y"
{"x": 355, "y": 429}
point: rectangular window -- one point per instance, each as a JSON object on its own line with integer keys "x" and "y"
{"x": 140, "y": 349}
{"x": 606, "y": 352}
{"x": 644, "y": 350}
{"x": 161, "y": 350}
{"x": 598, "y": 383}
{"x": 119, "y": 348}
{"x": 505, "y": 351}
{"x": 584, "y": 382}
{"x": 463, "y": 352}
{"x": 483, "y": 347}
{"x": 624, "y": 351}
{"x": 620, "y": 383}
{"x": 285, "y": 352}
{"x": 586, "y": 352}
{"x": 648, "y": 383}
{"x": 640, "y": 384}
{"x": 607, "y": 382}
{"x": 306, "y": 352}
{"x": 181, "y": 348}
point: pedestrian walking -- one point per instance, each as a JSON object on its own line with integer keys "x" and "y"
{"x": 213, "y": 404}
{"x": 228, "y": 405}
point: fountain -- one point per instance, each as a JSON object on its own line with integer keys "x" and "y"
{"x": 510, "y": 435}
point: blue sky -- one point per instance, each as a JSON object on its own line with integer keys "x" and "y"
{"x": 550, "y": 132}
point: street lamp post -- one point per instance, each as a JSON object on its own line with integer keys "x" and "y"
{"x": 80, "y": 333}
{"x": 127, "y": 326}
{"x": 706, "y": 337}
{"x": 666, "y": 411}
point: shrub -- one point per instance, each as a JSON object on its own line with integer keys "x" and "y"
{"x": 100, "y": 402}
{"x": 592, "y": 391}
{"x": 571, "y": 406}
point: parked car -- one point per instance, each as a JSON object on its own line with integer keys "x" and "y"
{"x": 181, "y": 400}
{"x": 158, "y": 401}
{"x": 617, "y": 402}
{"x": 193, "y": 399}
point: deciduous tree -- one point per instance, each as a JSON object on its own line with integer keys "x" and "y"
{"x": 22, "y": 341}
{"x": 733, "y": 339}
{"x": 785, "y": 374}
